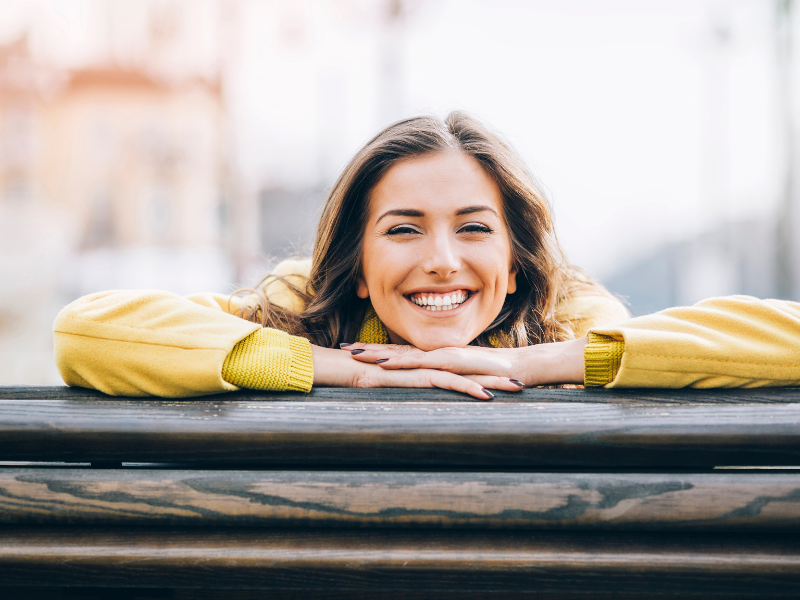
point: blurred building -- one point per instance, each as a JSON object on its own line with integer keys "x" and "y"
{"x": 737, "y": 257}
{"x": 22, "y": 85}
{"x": 107, "y": 176}
{"x": 34, "y": 237}
{"x": 138, "y": 161}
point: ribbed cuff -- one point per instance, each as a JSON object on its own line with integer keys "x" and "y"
{"x": 269, "y": 359}
{"x": 302, "y": 370}
{"x": 602, "y": 357}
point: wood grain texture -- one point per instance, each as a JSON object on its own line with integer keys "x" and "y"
{"x": 100, "y": 593}
{"x": 639, "y": 501}
{"x": 87, "y": 593}
{"x": 322, "y": 394}
{"x": 392, "y": 560}
{"x": 220, "y": 432}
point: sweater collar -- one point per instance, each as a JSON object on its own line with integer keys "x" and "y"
{"x": 373, "y": 331}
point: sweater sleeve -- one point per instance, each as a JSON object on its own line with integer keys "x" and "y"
{"x": 736, "y": 341}
{"x": 585, "y": 311}
{"x": 269, "y": 359}
{"x": 153, "y": 343}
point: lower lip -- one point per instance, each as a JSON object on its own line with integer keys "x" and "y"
{"x": 439, "y": 314}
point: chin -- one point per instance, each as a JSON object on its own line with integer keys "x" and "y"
{"x": 429, "y": 342}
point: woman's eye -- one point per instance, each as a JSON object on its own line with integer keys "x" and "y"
{"x": 401, "y": 229}
{"x": 475, "y": 228}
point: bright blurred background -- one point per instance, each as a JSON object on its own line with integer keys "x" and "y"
{"x": 187, "y": 144}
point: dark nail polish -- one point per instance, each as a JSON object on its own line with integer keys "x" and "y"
{"x": 488, "y": 393}
{"x": 517, "y": 382}
{"x": 357, "y": 351}
{"x": 381, "y": 360}
{"x": 345, "y": 344}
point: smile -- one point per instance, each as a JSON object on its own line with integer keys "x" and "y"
{"x": 435, "y": 301}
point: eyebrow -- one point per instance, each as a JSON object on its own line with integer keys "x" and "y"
{"x": 468, "y": 210}
{"x": 410, "y": 212}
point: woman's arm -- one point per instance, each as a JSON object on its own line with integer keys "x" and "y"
{"x": 508, "y": 369}
{"x": 735, "y": 341}
{"x": 337, "y": 368}
{"x": 543, "y": 364}
{"x": 152, "y": 343}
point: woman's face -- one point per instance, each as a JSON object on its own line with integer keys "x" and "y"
{"x": 437, "y": 261}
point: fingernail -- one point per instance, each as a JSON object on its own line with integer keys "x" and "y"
{"x": 345, "y": 344}
{"x": 517, "y": 382}
{"x": 488, "y": 393}
{"x": 357, "y": 351}
{"x": 381, "y": 360}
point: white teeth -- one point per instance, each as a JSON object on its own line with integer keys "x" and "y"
{"x": 446, "y": 302}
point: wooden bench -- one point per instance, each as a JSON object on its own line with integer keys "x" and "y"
{"x": 391, "y": 493}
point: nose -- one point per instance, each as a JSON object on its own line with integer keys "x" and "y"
{"x": 441, "y": 256}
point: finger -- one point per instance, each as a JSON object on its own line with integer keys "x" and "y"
{"x": 463, "y": 361}
{"x": 372, "y": 352}
{"x": 363, "y": 346}
{"x": 431, "y": 378}
{"x": 491, "y": 382}
{"x": 459, "y": 383}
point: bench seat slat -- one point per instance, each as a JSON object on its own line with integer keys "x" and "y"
{"x": 221, "y": 432}
{"x": 652, "y": 397}
{"x": 392, "y": 560}
{"x": 654, "y": 501}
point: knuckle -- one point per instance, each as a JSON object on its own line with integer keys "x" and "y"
{"x": 363, "y": 379}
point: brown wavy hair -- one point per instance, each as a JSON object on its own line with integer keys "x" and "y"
{"x": 334, "y": 313}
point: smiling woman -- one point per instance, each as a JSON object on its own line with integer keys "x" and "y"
{"x": 435, "y": 241}
{"x": 436, "y": 258}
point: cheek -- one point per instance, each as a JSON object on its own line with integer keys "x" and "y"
{"x": 492, "y": 265}
{"x": 384, "y": 267}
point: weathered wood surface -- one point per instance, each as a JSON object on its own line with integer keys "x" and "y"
{"x": 108, "y": 593}
{"x": 392, "y": 560}
{"x": 221, "y": 432}
{"x": 117, "y": 593}
{"x": 85, "y": 593}
{"x": 640, "y": 501}
{"x": 321, "y": 394}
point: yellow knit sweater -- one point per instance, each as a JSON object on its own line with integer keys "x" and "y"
{"x": 153, "y": 343}
{"x": 140, "y": 343}
{"x": 735, "y": 341}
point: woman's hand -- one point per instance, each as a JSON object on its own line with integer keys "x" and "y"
{"x": 496, "y": 368}
{"x": 337, "y": 368}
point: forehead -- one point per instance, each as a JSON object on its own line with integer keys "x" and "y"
{"x": 437, "y": 182}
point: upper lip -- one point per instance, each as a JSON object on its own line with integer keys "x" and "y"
{"x": 439, "y": 290}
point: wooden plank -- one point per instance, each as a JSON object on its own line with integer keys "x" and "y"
{"x": 84, "y": 593}
{"x": 322, "y": 394}
{"x": 639, "y": 501}
{"x": 70, "y": 593}
{"x": 391, "y": 560}
{"x": 424, "y": 435}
